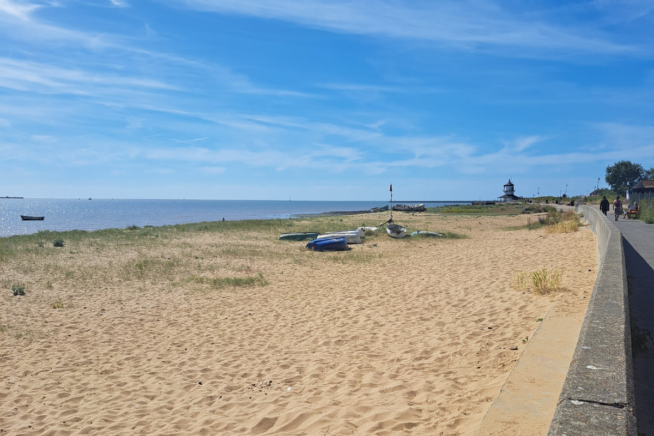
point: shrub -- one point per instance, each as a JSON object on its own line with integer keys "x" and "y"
{"x": 560, "y": 222}
{"x": 58, "y": 243}
{"x": 18, "y": 290}
{"x": 58, "y": 304}
{"x": 133, "y": 227}
{"x": 647, "y": 213}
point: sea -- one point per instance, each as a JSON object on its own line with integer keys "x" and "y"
{"x": 85, "y": 214}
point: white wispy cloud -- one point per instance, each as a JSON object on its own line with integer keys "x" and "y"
{"x": 524, "y": 142}
{"x": 18, "y": 10}
{"x": 39, "y": 77}
{"x": 465, "y": 24}
{"x": 119, "y": 3}
{"x": 23, "y": 26}
{"x": 187, "y": 141}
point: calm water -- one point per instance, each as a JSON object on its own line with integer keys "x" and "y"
{"x": 69, "y": 214}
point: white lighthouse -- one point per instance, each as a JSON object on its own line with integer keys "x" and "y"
{"x": 509, "y": 193}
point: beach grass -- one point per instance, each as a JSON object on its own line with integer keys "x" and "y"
{"x": 230, "y": 282}
{"x": 491, "y": 209}
{"x": 540, "y": 282}
{"x": 210, "y": 255}
{"x": 647, "y": 213}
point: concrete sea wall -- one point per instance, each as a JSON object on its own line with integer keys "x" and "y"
{"x": 598, "y": 394}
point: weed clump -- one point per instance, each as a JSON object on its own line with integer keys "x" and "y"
{"x": 540, "y": 282}
{"x": 58, "y": 242}
{"x": 18, "y": 290}
{"x": 57, "y": 304}
{"x": 134, "y": 227}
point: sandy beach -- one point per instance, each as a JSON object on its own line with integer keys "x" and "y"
{"x": 216, "y": 332}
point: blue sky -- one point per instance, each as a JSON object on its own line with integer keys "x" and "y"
{"x": 316, "y": 100}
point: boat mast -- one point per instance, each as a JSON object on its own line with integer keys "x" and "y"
{"x": 391, "y": 220}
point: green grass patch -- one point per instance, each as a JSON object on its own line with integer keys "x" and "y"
{"x": 230, "y": 282}
{"x": 491, "y": 209}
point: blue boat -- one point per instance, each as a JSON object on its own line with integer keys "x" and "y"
{"x": 335, "y": 244}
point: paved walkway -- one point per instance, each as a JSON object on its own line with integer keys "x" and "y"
{"x": 638, "y": 240}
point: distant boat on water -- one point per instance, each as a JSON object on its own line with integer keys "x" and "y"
{"x": 32, "y": 218}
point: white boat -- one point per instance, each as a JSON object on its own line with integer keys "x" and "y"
{"x": 350, "y": 238}
{"x": 360, "y": 231}
{"x": 396, "y": 231}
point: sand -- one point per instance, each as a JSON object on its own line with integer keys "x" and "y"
{"x": 410, "y": 336}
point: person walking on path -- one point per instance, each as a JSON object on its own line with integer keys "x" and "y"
{"x": 617, "y": 207}
{"x": 604, "y": 205}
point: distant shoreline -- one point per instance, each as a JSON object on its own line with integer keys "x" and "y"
{"x": 73, "y": 214}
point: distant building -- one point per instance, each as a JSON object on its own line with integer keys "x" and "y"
{"x": 643, "y": 187}
{"x": 509, "y": 196}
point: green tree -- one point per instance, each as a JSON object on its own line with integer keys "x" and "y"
{"x": 623, "y": 175}
{"x": 649, "y": 174}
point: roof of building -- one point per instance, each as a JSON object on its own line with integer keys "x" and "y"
{"x": 509, "y": 184}
{"x": 515, "y": 197}
{"x": 644, "y": 184}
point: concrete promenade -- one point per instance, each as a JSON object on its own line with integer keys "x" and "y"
{"x": 598, "y": 394}
{"x": 638, "y": 242}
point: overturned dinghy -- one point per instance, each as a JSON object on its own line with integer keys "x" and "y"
{"x": 379, "y": 209}
{"x": 299, "y": 236}
{"x": 328, "y": 244}
{"x": 360, "y": 231}
{"x": 396, "y": 231}
{"x": 350, "y": 237}
{"x": 410, "y": 207}
{"x": 425, "y": 234}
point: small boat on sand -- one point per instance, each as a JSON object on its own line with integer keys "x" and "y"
{"x": 335, "y": 244}
{"x": 425, "y": 234}
{"x": 32, "y": 218}
{"x": 361, "y": 232}
{"x": 396, "y": 231}
{"x": 299, "y": 236}
{"x": 410, "y": 207}
{"x": 350, "y": 238}
{"x": 379, "y": 209}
